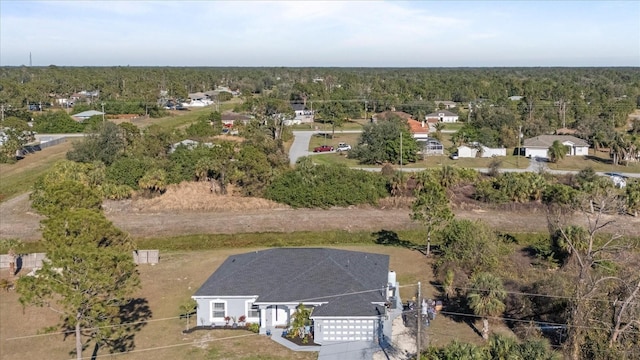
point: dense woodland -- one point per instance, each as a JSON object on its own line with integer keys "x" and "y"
{"x": 587, "y": 274}
{"x": 593, "y": 101}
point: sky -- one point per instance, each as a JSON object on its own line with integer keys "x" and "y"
{"x": 318, "y": 33}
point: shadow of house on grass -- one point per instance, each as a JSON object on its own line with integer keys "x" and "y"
{"x": 133, "y": 316}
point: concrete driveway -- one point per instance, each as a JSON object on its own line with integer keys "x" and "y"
{"x": 300, "y": 146}
{"x": 356, "y": 350}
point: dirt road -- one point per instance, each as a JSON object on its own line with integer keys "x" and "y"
{"x": 18, "y": 220}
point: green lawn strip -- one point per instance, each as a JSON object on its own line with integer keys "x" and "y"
{"x": 11, "y": 186}
{"x": 405, "y": 238}
{"x": 18, "y": 178}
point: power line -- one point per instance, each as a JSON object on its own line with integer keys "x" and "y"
{"x": 92, "y": 328}
{"x": 540, "y": 295}
{"x": 175, "y": 345}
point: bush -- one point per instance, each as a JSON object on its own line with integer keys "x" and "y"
{"x": 127, "y": 171}
{"x": 324, "y": 186}
{"x": 253, "y": 327}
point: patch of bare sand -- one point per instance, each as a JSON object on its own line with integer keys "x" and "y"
{"x": 197, "y": 196}
{"x": 403, "y": 343}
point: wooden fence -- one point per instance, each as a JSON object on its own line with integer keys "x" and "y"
{"x": 34, "y": 260}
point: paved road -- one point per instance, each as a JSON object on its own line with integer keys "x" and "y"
{"x": 300, "y": 147}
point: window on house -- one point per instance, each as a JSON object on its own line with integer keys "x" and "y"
{"x": 218, "y": 309}
{"x": 253, "y": 311}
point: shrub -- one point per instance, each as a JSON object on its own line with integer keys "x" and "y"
{"x": 253, "y": 327}
{"x": 324, "y": 186}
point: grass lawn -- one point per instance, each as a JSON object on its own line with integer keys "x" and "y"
{"x": 182, "y": 118}
{"x": 599, "y": 161}
{"x": 170, "y": 283}
{"x": 453, "y": 126}
{"x": 508, "y": 162}
{"x": 319, "y": 139}
{"x": 18, "y": 178}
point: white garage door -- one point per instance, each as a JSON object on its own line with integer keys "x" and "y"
{"x": 535, "y": 152}
{"x": 347, "y": 330}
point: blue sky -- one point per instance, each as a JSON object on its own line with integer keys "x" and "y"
{"x": 316, "y": 33}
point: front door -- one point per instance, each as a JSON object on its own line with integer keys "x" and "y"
{"x": 279, "y": 315}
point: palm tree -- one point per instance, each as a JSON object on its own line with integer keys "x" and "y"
{"x": 439, "y": 126}
{"x": 503, "y": 347}
{"x": 557, "y": 151}
{"x": 486, "y": 298}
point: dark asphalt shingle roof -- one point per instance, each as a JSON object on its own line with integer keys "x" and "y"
{"x": 305, "y": 274}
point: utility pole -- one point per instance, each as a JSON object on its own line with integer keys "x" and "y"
{"x": 419, "y": 317}
{"x": 102, "y": 112}
{"x": 519, "y": 137}
{"x": 2, "y": 111}
{"x": 365, "y": 110}
{"x": 401, "y": 154}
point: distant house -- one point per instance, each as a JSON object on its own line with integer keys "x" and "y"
{"x": 356, "y": 303}
{"x": 189, "y": 144}
{"x": 446, "y": 103}
{"x": 430, "y": 147}
{"x": 515, "y": 98}
{"x": 387, "y": 115}
{"x": 198, "y": 99}
{"x": 538, "y": 146}
{"x": 419, "y": 129}
{"x": 230, "y": 118}
{"x": 445, "y": 116}
{"x": 85, "y": 115}
{"x": 302, "y": 113}
{"x": 479, "y": 150}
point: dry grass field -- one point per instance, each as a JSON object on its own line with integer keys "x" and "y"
{"x": 169, "y": 284}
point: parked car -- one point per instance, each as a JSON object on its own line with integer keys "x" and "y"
{"x": 454, "y": 156}
{"x": 343, "y": 147}
{"x": 323, "y": 148}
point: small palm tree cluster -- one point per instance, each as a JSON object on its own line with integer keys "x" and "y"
{"x": 557, "y": 151}
{"x": 498, "y": 347}
{"x": 486, "y": 298}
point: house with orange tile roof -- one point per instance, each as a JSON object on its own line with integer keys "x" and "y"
{"x": 419, "y": 129}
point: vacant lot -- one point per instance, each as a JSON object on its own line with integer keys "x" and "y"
{"x": 170, "y": 283}
{"x": 191, "y": 208}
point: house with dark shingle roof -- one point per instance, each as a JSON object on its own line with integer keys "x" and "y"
{"x": 538, "y": 146}
{"x": 350, "y": 293}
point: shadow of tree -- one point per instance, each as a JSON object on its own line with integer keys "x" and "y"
{"x": 599, "y": 159}
{"x": 391, "y": 238}
{"x": 457, "y": 309}
{"x": 119, "y": 336}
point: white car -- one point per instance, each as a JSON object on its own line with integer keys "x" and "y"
{"x": 343, "y": 147}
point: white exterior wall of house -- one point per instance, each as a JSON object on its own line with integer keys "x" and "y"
{"x": 446, "y": 119}
{"x": 304, "y": 116}
{"x": 233, "y": 307}
{"x": 467, "y": 152}
{"x": 491, "y": 152}
{"x": 420, "y": 136}
{"x": 576, "y": 150}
